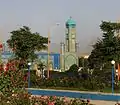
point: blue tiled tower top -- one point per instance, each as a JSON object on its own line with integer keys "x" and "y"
{"x": 70, "y": 22}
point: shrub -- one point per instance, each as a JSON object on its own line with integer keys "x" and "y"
{"x": 23, "y": 98}
{"x": 74, "y": 68}
{"x": 11, "y": 79}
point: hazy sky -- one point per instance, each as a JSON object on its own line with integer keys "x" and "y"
{"x": 39, "y": 15}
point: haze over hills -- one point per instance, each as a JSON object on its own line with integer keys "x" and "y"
{"x": 82, "y": 48}
{"x": 54, "y": 47}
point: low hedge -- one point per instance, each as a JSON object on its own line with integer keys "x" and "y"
{"x": 72, "y": 80}
{"x": 68, "y": 82}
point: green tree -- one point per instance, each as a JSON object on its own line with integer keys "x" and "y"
{"x": 111, "y": 43}
{"x": 24, "y": 43}
{"x": 81, "y": 61}
{"x": 74, "y": 68}
{"x": 107, "y": 48}
{"x": 96, "y": 58}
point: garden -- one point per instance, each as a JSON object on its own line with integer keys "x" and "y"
{"x": 14, "y": 77}
{"x": 95, "y": 75}
{"x": 74, "y": 80}
{"x": 13, "y": 90}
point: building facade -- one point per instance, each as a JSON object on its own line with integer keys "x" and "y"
{"x": 58, "y": 61}
{"x": 54, "y": 59}
{"x": 69, "y": 49}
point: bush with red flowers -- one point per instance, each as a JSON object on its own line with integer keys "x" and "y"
{"x": 27, "y": 99}
{"x": 11, "y": 79}
{"x": 12, "y": 90}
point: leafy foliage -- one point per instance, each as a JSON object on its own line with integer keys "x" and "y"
{"x": 11, "y": 81}
{"x": 107, "y": 48}
{"x": 81, "y": 81}
{"x": 74, "y": 68}
{"x": 24, "y": 43}
{"x": 26, "y": 99}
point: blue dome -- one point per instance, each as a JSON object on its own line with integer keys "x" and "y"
{"x": 70, "y": 22}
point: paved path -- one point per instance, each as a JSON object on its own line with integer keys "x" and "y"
{"x": 76, "y": 91}
{"x": 98, "y": 102}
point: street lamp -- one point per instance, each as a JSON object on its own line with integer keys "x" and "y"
{"x": 57, "y": 24}
{"x": 113, "y": 63}
{"x": 29, "y": 64}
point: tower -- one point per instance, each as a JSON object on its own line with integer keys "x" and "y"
{"x": 69, "y": 52}
{"x": 70, "y": 35}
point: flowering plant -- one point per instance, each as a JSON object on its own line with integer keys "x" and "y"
{"x": 24, "y": 98}
{"x": 12, "y": 91}
{"x": 11, "y": 79}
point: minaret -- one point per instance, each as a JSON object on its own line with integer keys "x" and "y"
{"x": 70, "y": 35}
{"x": 69, "y": 49}
{"x": 62, "y": 52}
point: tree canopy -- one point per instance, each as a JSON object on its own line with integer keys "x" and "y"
{"x": 24, "y": 43}
{"x": 107, "y": 48}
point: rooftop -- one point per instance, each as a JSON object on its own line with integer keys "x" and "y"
{"x": 70, "y": 21}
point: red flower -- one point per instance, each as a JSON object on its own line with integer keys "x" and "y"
{"x": 51, "y": 103}
{"x": 54, "y": 97}
{"x": 1, "y": 46}
{"x": 88, "y": 101}
{"x": 7, "y": 64}
{"x": 25, "y": 78}
{"x": 13, "y": 68}
{"x": 6, "y": 68}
